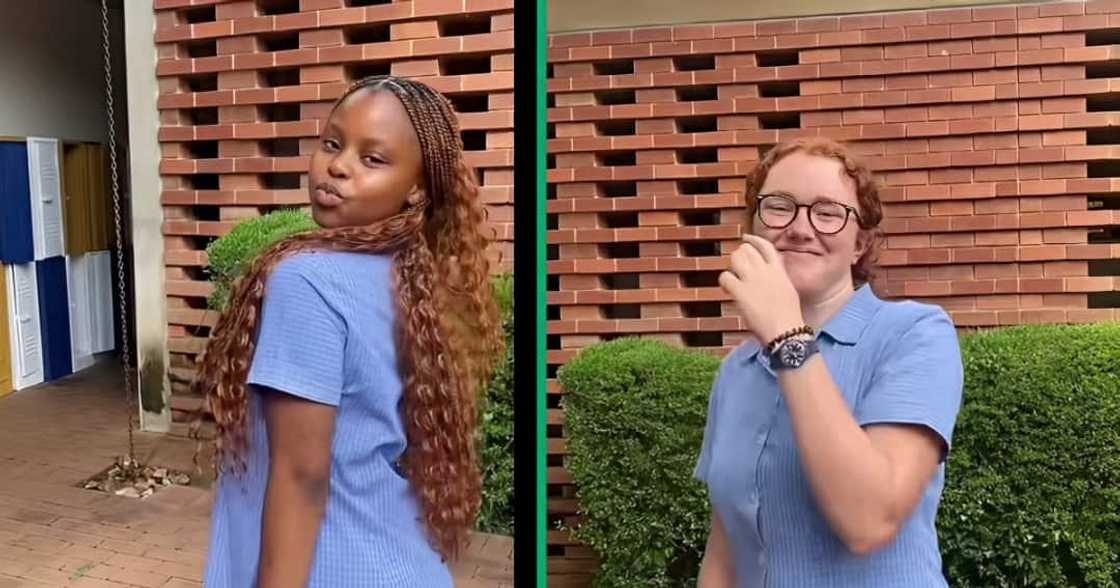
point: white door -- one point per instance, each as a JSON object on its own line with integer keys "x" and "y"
{"x": 46, "y": 197}
{"x": 81, "y": 342}
{"x": 27, "y": 346}
{"x": 103, "y": 335}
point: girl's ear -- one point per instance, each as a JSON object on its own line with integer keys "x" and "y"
{"x": 415, "y": 196}
{"x": 863, "y": 242}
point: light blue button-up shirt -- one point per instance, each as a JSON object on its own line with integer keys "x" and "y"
{"x": 894, "y": 362}
{"x": 327, "y": 334}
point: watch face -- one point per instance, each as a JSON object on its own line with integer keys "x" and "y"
{"x": 793, "y": 353}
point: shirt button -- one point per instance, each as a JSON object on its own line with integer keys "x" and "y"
{"x": 761, "y": 438}
{"x": 753, "y": 497}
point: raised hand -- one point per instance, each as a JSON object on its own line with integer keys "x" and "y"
{"x": 762, "y": 290}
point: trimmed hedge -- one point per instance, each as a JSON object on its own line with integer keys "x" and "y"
{"x": 229, "y": 256}
{"x": 634, "y": 415}
{"x": 1032, "y": 493}
{"x": 232, "y": 253}
{"x": 496, "y": 515}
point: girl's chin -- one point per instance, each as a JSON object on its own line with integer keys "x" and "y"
{"x": 333, "y": 218}
{"x": 803, "y": 287}
{"x": 802, "y": 268}
{"x": 811, "y": 285}
{"x": 324, "y": 217}
{"x": 804, "y": 279}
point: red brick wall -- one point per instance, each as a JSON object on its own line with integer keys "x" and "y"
{"x": 993, "y": 130}
{"x": 245, "y": 85}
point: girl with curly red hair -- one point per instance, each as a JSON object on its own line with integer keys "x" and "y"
{"x": 828, "y": 429}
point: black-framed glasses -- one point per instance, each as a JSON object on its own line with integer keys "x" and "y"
{"x": 828, "y": 218}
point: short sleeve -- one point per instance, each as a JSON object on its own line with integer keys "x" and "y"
{"x": 920, "y": 379}
{"x": 301, "y": 338}
{"x": 704, "y": 463}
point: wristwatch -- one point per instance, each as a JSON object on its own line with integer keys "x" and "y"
{"x": 793, "y": 353}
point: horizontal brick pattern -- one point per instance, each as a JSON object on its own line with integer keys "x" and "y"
{"x": 245, "y": 86}
{"x": 993, "y": 131}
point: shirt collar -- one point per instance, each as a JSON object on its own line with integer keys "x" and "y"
{"x": 844, "y": 328}
{"x": 848, "y": 325}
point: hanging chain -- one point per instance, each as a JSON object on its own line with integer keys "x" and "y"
{"x": 123, "y": 307}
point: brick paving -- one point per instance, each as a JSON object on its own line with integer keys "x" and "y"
{"x": 53, "y": 533}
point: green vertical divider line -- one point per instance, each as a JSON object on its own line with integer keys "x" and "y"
{"x": 542, "y": 294}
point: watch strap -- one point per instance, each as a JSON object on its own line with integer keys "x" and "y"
{"x": 802, "y": 330}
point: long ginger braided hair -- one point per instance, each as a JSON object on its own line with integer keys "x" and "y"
{"x": 448, "y": 325}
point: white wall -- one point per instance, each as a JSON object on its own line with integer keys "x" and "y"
{"x": 148, "y": 332}
{"x": 51, "y": 69}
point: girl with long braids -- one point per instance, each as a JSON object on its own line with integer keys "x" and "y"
{"x": 343, "y": 377}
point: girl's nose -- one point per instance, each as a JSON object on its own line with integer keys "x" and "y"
{"x": 337, "y": 168}
{"x": 801, "y": 228}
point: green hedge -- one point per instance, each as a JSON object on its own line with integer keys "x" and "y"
{"x": 496, "y": 515}
{"x": 634, "y": 415}
{"x": 232, "y": 253}
{"x": 228, "y": 257}
{"x": 1033, "y": 485}
{"x": 1032, "y": 493}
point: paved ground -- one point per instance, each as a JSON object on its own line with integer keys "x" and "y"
{"x": 53, "y": 533}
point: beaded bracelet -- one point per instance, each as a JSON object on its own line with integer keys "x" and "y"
{"x": 802, "y": 330}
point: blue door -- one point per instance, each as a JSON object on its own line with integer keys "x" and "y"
{"x": 54, "y": 317}
{"x": 16, "y": 245}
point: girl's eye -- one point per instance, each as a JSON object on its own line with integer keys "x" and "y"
{"x": 330, "y": 144}
{"x": 372, "y": 160}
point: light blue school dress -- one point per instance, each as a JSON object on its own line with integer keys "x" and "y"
{"x": 327, "y": 334}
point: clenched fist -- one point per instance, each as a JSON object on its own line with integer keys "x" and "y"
{"x": 758, "y": 282}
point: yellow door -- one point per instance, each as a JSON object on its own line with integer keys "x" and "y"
{"x": 76, "y": 199}
{"x": 99, "y": 233}
{"x": 5, "y": 341}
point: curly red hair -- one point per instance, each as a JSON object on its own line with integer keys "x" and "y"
{"x": 449, "y": 332}
{"x": 867, "y": 193}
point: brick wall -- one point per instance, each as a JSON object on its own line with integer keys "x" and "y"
{"x": 994, "y": 131}
{"x": 245, "y": 85}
